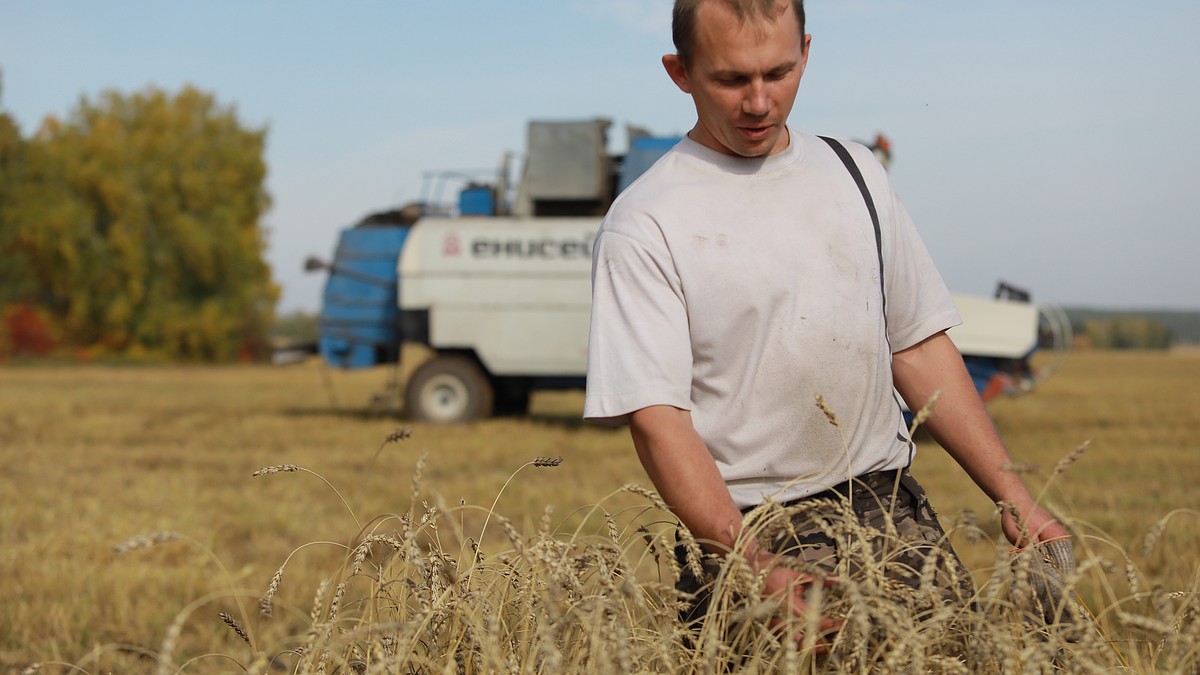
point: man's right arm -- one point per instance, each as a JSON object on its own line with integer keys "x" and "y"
{"x": 685, "y": 474}
{"x": 687, "y": 478}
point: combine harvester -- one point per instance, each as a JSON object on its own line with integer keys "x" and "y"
{"x": 500, "y": 291}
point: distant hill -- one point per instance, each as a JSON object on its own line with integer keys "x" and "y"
{"x": 1184, "y": 326}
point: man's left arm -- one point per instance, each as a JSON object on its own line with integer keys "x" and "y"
{"x": 960, "y": 424}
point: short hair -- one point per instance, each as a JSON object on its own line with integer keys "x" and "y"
{"x": 683, "y": 19}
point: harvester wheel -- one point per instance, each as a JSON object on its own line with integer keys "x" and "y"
{"x": 448, "y": 389}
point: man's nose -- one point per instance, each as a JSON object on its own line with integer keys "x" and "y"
{"x": 756, "y": 101}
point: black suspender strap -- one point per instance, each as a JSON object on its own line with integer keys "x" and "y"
{"x": 866, "y": 195}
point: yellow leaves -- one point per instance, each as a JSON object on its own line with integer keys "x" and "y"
{"x": 140, "y": 221}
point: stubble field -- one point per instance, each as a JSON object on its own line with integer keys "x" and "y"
{"x": 94, "y": 456}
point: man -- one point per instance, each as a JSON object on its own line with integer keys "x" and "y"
{"x": 740, "y": 278}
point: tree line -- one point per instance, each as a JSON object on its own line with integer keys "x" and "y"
{"x": 131, "y": 228}
{"x": 1136, "y": 329}
{"x": 1127, "y": 332}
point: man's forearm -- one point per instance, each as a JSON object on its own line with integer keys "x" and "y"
{"x": 685, "y": 474}
{"x": 688, "y": 479}
{"x": 958, "y": 422}
{"x": 961, "y": 425}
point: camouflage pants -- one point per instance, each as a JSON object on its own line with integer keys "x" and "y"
{"x": 814, "y": 536}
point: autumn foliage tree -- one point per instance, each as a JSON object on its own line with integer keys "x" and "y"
{"x": 23, "y": 328}
{"x": 134, "y": 224}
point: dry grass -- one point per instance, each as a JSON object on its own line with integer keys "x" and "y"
{"x": 381, "y": 566}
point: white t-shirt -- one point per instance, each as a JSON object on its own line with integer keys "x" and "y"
{"x": 741, "y": 289}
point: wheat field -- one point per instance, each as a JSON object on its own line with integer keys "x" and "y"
{"x": 136, "y": 536}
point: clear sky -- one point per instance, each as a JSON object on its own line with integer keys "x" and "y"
{"x": 1048, "y": 143}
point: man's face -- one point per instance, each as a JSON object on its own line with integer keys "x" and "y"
{"x": 742, "y": 78}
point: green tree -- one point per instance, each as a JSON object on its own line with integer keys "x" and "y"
{"x": 23, "y": 327}
{"x": 1139, "y": 332}
{"x": 1099, "y": 333}
{"x": 14, "y": 276}
{"x": 138, "y": 220}
{"x": 1128, "y": 332}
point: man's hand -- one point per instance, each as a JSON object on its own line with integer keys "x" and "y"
{"x": 1028, "y": 523}
{"x": 789, "y": 587}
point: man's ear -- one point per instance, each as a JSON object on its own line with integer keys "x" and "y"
{"x": 677, "y": 72}
{"x": 805, "y": 48}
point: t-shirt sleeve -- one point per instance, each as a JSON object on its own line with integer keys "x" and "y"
{"x": 639, "y": 351}
{"x": 918, "y": 303}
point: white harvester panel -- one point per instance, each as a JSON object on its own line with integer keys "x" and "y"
{"x": 516, "y": 290}
{"x": 996, "y": 328}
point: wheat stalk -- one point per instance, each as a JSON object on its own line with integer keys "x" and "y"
{"x": 291, "y": 468}
{"x": 578, "y": 599}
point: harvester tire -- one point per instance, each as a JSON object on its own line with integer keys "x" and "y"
{"x": 448, "y": 389}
